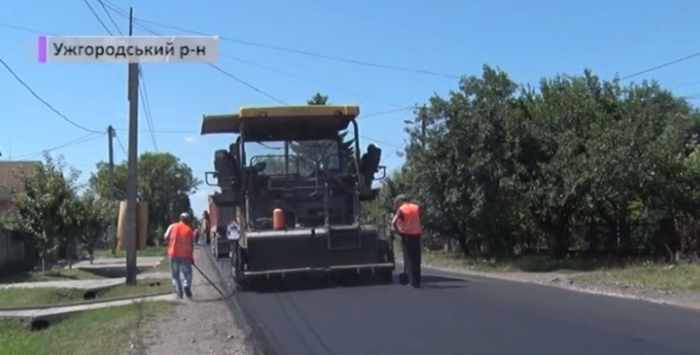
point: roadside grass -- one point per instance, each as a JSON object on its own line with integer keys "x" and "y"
{"x": 681, "y": 277}
{"x": 531, "y": 264}
{"x": 623, "y": 272}
{"x": 157, "y": 250}
{"x": 56, "y": 273}
{"x": 51, "y": 296}
{"x": 164, "y": 266}
{"x": 109, "y": 331}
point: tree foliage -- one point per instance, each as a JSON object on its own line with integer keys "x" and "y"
{"x": 51, "y": 212}
{"x": 574, "y": 163}
{"x": 164, "y": 182}
{"x": 318, "y": 150}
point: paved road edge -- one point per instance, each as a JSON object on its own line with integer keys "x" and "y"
{"x": 255, "y": 340}
{"x": 655, "y": 300}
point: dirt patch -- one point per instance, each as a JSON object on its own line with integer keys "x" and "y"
{"x": 203, "y": 325}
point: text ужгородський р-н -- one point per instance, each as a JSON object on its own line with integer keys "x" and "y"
{"x": 128, "y": 49}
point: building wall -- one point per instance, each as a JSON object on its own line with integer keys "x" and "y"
{"x": 12, "y": 253}
{"x": 5, "y": 206}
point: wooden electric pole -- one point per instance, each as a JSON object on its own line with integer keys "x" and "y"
{"x": 131, "y": 184}
{"x": 112, "y": 199}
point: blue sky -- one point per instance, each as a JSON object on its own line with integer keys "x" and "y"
{"x": 529, "y": 39}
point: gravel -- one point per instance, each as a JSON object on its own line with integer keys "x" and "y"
{"x": 202, "y": 326}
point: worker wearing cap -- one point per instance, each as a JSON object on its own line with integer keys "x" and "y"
{"x": 181, "y": 238}
{"x": 407, "y": 224}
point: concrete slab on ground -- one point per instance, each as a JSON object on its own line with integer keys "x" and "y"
{"x": 143, "y": 261}
{"x": 69, "y": 310}
{"x": 85, "y": 284}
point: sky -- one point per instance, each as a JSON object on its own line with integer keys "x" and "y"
{"x": 528, "y": 39}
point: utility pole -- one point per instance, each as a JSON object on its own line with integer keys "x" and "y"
{"x": 286, "y": 157}
{"x": 131, "y": 184}
{"x": 113, "y": 203}
{"x": 423, "y": 124}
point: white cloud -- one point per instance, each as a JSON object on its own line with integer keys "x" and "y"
{"x": 190, "y": 139}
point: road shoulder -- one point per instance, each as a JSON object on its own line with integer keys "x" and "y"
{"x": 204, "y": 325}
{"x": 579, "y": 282}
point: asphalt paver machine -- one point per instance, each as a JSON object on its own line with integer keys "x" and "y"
{"x": 299, "y": 212}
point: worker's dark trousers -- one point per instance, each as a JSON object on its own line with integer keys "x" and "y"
{"x": 411, "y": 247}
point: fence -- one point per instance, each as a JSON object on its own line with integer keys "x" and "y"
{"x": 12, "y": 252}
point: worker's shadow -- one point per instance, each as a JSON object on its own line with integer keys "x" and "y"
{"x": 442, "y": 282}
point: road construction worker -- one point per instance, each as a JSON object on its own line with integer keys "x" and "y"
{"x": 181, "y": 238}
{"x": 206, "y": 230}
{"x": 407, "y": 224}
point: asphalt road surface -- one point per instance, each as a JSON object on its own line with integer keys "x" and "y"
{"x": 454, "y": 314}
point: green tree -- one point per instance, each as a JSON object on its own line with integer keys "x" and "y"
{"x": 317, "y": 150}
{"x": 575, "y": 162}
{"x": 92, "y": 221}
{"x": 46, "y": 207}
{"x": 164, "y": 182}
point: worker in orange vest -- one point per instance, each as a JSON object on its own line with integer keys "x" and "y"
{"x": 407, "y": 224}
{"x": 181, "y": 239}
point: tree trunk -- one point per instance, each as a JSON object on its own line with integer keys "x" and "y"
{"x": 42, "y": 256}
{"x": 593, "y": 237}
{"x": 560, "y": 237}
{"x": 69, "y": 255}
{"x": 462, "y": 240}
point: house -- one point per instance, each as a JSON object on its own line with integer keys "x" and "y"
{"x": 14, "y": 252}
{"x": 9, "y": 182}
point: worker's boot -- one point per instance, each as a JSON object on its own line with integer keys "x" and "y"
{"x": 188, "y": 292}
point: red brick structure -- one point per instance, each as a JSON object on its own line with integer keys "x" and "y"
{"x": 9, "y": 181}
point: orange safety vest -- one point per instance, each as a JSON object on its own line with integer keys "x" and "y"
{"x": 409, "y": 223}
{"x": 180, "y": 241}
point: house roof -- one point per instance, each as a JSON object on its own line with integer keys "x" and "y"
{"x": 8, "y": 179}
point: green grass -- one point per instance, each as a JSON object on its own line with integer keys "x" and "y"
{"x": 107, "y": 331}
{"x": 54, "y": 274}
{"x": 149, "y": 251}
{"x": 682, "y": 277}
{"x": 520, "y": 264}
{"x": 164, "y": 266}
{"x": 50, "y": 296}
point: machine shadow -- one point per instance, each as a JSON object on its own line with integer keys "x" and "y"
{"x": 442, "y": 282}
{"x": 298, "y": 284}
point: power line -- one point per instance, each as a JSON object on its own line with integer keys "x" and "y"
{"x": 76, "y": 141}
{"x": 251, "y": 86}
{"x": 110, "y": 17}
{"x": 97, "y": 17}
{"x": 217, "y": 68}
{"x": 166, "y": 131}
{"x": 25, "y": 29}
{"x": 146, "y": 106}
{"x": 150, "y": 30}
{"x": 12, "y": 72}
{"x": 119, "y": 141}
{"x": 296, "y": 51}
{"x": 661, "y": 66}
{"x": 257, "y": 65}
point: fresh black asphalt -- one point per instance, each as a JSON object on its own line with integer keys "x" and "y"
{"x": 464, "y": 315}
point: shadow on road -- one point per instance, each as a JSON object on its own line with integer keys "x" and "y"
{"x": 295, "y": 284}
{"x": 349, "y": 281}
{"x": 442, "y": 282}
